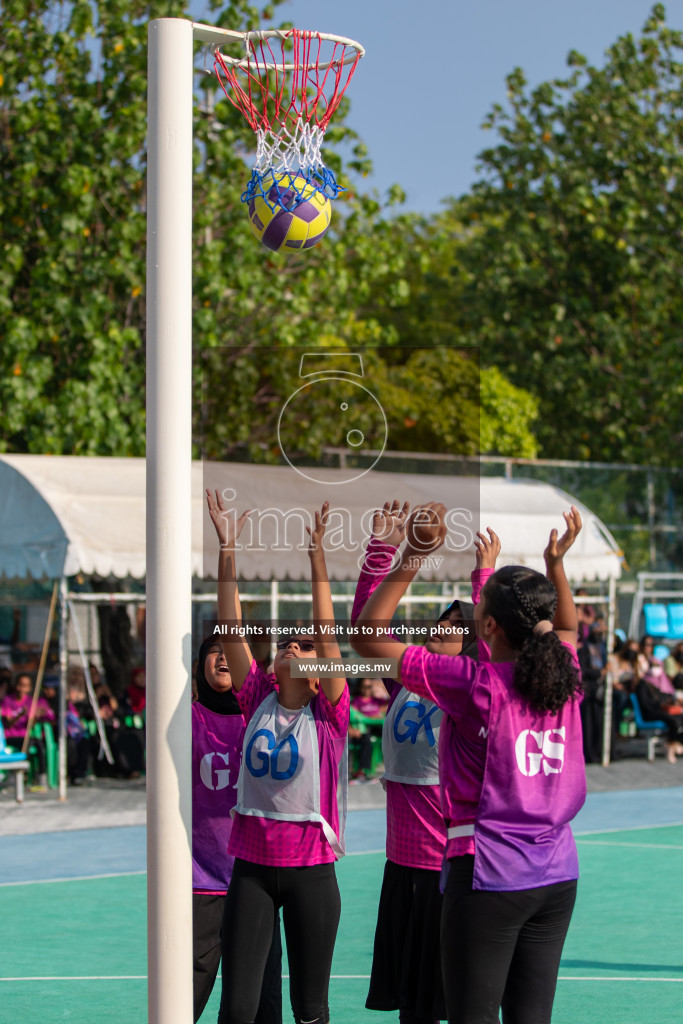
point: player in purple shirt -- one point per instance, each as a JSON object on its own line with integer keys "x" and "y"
{"x": 217, "y": 734}
{"x": 511, "y": 771}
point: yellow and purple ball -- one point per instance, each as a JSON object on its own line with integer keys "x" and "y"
{"x": 303, "y": 222}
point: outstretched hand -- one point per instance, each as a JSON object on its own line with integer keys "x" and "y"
{"x": 228, "y": 528}
{"x": 318, "y": 531}
{"x": 426, "y": 528}
{"x": 389, "y": 522}
{"x": 488, "y": 549}
{"x": 557, "y": 548}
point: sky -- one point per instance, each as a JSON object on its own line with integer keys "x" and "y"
{"x": 434, "y": 68}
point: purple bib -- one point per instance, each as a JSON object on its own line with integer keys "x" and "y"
{"x": 534, "y": 784}
{"x": 216, "y": 754}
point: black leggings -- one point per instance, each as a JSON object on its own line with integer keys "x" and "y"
{"x": 311, "y": 905}
{"x": 501, "y": 948}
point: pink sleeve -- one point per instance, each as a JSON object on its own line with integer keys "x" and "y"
{"x": 445, "y": 680}
{"x": 479, "y": 578}
{"x": 376, "y": 565}
{"x": 254, "y": 690}
{"x": 335, "y": 715}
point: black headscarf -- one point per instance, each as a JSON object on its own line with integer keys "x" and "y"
{"x": 469, "y": 641}
{"x": 219, "y": 703}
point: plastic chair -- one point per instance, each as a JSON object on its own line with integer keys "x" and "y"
{"x": 652, "y": 731}
{"x": 51, "y": 753}
{"x": 661, "y": 651}
{"x": 656, "y": 619}
{"x": 675, "y": 617}
{"x": 11, "y": 761}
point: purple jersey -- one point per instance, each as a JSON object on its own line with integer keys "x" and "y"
{"x": 216, "y": 755}
{"x": 512, "y": 778}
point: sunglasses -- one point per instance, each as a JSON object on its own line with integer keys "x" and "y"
{"x": 303, "y": 645}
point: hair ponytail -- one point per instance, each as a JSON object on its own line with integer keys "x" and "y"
{"x": 519, "y": 599}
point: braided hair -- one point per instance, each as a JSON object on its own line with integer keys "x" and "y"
{"x": 519, "y": 599}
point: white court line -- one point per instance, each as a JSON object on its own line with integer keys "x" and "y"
{"x": 589, "y": 978}
{"x": 625, "y": 828}
{"x": 72, "y": 878}
{"x": 129, "y": 874}
{"x": 333, "y": 977}
{"x": 639, "y": 846}
{"x": 83, "y": 977}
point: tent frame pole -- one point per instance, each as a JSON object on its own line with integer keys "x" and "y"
{"x": 63, "y": 673}
{"x": 169, "y": 534}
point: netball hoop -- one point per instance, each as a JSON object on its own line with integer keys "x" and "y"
{"x": 288, "y": 85}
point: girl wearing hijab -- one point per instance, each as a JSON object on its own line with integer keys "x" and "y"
{"x": 217, "y": 735}
{"x": 406, "y": 966}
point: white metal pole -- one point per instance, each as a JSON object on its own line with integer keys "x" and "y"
{"x": 169, "y": 541}
{"x": 63, "y": 670}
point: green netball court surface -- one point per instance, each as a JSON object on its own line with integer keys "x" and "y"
{"x": 73, "y": 927}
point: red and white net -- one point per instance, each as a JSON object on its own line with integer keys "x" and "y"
{"x": 288, "y": 85}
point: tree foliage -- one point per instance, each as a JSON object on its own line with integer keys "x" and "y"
{"x": 570, "y": 270}
{"x": 72, "y": 237}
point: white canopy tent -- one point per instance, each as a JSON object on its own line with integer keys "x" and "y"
{"x": 65, "y": 515}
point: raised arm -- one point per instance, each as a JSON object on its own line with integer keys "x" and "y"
{"x": 388, "y": 533}
{"x": 426, "y": 531}
{"x": 565, "y": 622}
{"x": 487, "y": 550}
{"x": 326, "y": 644}
{"x": 236, "y": 649}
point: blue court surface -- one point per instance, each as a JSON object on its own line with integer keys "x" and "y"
{"x": 73, "y": 911}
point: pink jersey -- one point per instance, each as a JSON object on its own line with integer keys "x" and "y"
{"x": 294, "y": 843}
{"x": 416, "y": 831}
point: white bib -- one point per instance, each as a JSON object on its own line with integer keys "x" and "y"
{"x": 280, "y": 773}
{"x": 410, "y": 741}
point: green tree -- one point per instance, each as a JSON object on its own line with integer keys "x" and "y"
{"x": 569, "y": 275}
{"x": 72, "y": 235}
{"x": 72, "y": 238}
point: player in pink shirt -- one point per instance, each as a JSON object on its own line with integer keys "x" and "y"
{"x": 511, "y": 769}
{"x": 287, "y": 831}
{"x": 406, "y": 964}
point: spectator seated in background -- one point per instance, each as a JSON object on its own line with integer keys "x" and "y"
{"x": 656, "y": 706}
{"x": 78, "y": 712}
{"x": 673, "y": 666}
{"x": 370, "y": 702}
{"x": 51, "y": 695}
{"x": 372, "y": 698}
{"x": 136, "y": 691}
{"x": 621, "y": 668}
{"x": 15, "y": 711}
{"x": 585, "y": 614}
{"x": 592, "y": 660}
{"x": 651, "y": 669}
